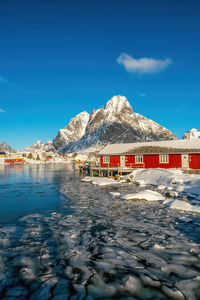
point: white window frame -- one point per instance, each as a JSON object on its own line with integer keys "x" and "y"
{"x": 139, "y": 159}
{"x": 106, "y": 159}
{"x": 164, "y": 158}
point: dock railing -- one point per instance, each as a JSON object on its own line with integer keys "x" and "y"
{"x": 126, "y": 166}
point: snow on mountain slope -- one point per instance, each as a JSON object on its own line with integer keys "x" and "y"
{"x": 4, "y": 147}
{"x": 40, "y": 147}
{"x": 72, "y": 132}
{"x": 115, "y": 123}
{"x": 192, "y": 134}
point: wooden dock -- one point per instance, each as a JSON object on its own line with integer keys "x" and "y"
{"x": 94, "y": 170}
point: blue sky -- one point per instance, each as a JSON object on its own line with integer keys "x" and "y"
{"x": 58, "y": 58}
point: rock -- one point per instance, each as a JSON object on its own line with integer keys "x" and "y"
{"x": 179, "y": 270}
{"x": 171, "y": 194}
{"x": 190, "y": 288}
{"x": 27, "y": 273}
{"x": 149, "y": 281}
{"x": 173, "y": 293}
{"x": 134, "y": 285}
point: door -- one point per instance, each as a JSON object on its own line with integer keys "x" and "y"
{"x": 185, "y": 161}
{"x": 122, "y": 161}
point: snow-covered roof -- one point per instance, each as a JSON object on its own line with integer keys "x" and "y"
{"x": 155, "y": 147}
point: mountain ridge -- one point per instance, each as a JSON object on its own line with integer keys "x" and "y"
{"x": 115, "y": 123}
{"x": 4, "y": 147}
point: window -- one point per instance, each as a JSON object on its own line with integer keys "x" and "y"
{"x": 164, "y": 158}
{"x": 106, "y": 159}
{"x": 139, "y": 159}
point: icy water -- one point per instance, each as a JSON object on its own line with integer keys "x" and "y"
{"x": 61, "y": 238}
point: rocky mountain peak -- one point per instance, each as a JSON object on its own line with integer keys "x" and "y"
{"x": 73, "y": 131}
{"x": 117, "y": 104}
{"x": 39, "y": 147}
{"x": 4, "y": 147}
{"x": 115, "y": 123}
{"x": 192, "y": 134}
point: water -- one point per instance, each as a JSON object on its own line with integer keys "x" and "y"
{"x": 29, "y": 189}
{"x": 65, "y": 239}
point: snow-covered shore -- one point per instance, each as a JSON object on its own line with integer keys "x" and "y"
{"x": 180, "y": 191}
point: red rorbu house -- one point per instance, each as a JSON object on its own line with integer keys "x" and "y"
{"x": 15, "y": 160}
{"x": 183, "y": 154}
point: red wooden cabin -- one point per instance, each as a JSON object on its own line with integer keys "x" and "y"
{"x": 13, "y": 160}
{"x": 49, "y": 157}
{"x": 159, "y": 154}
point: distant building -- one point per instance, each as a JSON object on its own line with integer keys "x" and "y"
{"x": 13, "y": 160}
{"x": 49, "y": 157}
{"x": 2, "y": 154}
{"x": 183, "y": 154}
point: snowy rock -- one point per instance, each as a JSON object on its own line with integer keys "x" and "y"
{"x": 173, "y": 293}
{"x": 86, "y": 179}
{"x": 149, "y": 281}
{"x": 115, "y": 194}
{"x": 27, "y": 273}
{"x": 134, "y": 285}
{"x": 182, "y": 205}
{"x": 185, "y": 183}
{"x": 172, "y": 194}
{"x": 146, "y": 195}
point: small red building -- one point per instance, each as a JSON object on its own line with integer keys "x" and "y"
{"x": 183, "y": 154}
{"x": 48, "y": 157}
{"x": 13, "y": 160}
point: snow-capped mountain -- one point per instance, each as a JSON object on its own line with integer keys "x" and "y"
{"x": 40, "y": 147}
{"x": 115, "y": 123}
{"x": 73, "y": 132}
{"x": 4, "y": 147}
{"x": 192, "y": 134}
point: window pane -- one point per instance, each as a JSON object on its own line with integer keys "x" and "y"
{"x": 106, "y": 159}
{"x": 139, "y": 159}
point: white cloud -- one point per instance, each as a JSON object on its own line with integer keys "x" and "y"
{"x": 142, "y": 95}
{"x": 143, "y": 65}
{"x": 3, "y": 80}
{"x": 1, "y": 110}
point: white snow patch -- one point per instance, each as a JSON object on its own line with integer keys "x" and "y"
{"x": 173, "y": 179}
{"x": 115, "y": 194}
{"x": 192, "y": 134}
{"x": 182, "y": 205}
{"x": 86, "y": 179}
{"x": 104, "y": 181}
{"x": 147, "y": 195}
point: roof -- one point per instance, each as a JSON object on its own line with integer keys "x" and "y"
{"x": 155, "y": 147}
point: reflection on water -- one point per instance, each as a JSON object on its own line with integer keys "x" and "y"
{"x": 83, "y": 243}
{"x": 29, "y": 189}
